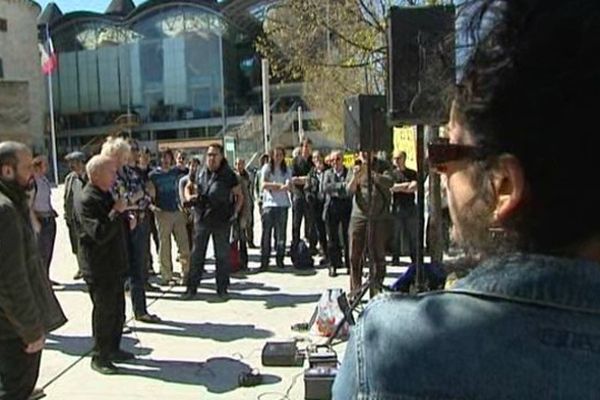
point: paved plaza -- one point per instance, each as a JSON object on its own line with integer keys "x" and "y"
{"x": 202, "y": 346}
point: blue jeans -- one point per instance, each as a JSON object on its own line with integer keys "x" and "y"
{"x": 138, "y": 248}
{"x": 202, "y": 233}
{"x": 273, "y": 219}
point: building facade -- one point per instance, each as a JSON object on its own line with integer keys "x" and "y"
{"x": 163, "y": 70}
{"x": 21, "y": 81}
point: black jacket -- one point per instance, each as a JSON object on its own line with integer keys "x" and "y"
{"x": 28, "y": 306}
{"x": 102, "y": 240}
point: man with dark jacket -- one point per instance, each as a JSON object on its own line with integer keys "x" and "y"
{"x": 28, "y": 307}
{"x": 74, "y": 183}
{"x": 103, "y": 261}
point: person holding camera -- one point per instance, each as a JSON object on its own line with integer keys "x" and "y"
{"x": 369, "y": 221}
{"x": 217, "y": 200}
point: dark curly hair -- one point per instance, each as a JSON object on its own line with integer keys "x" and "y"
{"x": 530, "y": 88}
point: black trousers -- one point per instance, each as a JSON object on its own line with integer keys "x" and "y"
{"x": 301, "y": 209}
{"x": 18, "y": 370}
{"x": 318, "y": 229}
{"x": 220, "y": 235}
{"x": 338, "y": 218}
{"x": 108, "y": 315}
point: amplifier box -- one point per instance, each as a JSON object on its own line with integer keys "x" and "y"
{"x": 318, "y": 383}
{"x": 281, "y": 354}
{"x": 322, "y": 356}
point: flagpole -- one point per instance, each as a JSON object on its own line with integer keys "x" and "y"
{"x": 52, "y": 126}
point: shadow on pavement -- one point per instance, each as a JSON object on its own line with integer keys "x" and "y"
{"x": 271, "y": 300}
{"x": 241, "y": 286}
{"x": 218, "y": 375}
{"x": 217, "y": 332}
{"x": 82, "y": 345}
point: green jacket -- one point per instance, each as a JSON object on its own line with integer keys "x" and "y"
{"x": 28, "y": 306}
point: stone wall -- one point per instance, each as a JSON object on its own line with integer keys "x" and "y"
{"x": 21, "y": 61}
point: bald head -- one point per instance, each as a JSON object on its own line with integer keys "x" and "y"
{"x": 101, "y": 171}
{"x": 16, "y": 163}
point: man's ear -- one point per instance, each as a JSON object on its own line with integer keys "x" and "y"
{"x": 7, "y": 172}
{"x": 508, "y": 180}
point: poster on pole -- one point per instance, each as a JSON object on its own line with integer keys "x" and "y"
{"x": 405, "y": 139}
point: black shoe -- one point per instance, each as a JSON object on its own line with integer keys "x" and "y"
{"x": 264, "y": 265}
{"x": 395, "y": 261}
{"x": 332, "y": 272}
{"x": 77, "y": 276}
{"x": 252, "y": 246}
{"x": 223, "y": 293}
{"x": 188, "y": 296}
{"x": 104, "y": 367}
{"x": 149, "y": 319}
{"x": 38, "y": 393}
{"x": 148, "y": 287}
{"x": 126, "y": 330}
{"x": 121, "y": 355}
{"x": 324, "y": 262}
{"x": 280, "y": 263}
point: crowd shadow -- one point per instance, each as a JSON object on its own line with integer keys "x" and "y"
{"x": 271, "y": 300}
{"x": 207, "y": 330}
{"x": 218, "y": 375}
{"x": 82, "y": 345}
{"x": 243, "y": 286}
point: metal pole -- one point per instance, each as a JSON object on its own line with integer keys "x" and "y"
{"x": 223, "y": 113}
{"x": 436, "y": 250}
{"x": 52, "y": 129}
{"x": 266, "y": 104}
{"x": 419, "y": 281}
{"x": 300, "y": 126}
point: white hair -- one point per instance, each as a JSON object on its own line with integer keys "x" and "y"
{"x": 97, "y": 164}
{"x": 115, "y": 147}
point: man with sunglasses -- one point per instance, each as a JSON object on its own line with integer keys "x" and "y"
{"x": 523, "y": 324}
{"x": 217, "y": 199}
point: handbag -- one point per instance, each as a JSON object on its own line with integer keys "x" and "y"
{"x": 234, "y": 255}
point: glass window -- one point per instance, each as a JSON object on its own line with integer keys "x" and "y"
{"x": 3, "y": 25}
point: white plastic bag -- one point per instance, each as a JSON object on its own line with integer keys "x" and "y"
{"x": 328, "y": 315}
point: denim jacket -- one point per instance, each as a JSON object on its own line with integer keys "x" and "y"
{"x": 517, "y": 327}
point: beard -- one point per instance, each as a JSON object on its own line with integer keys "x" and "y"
{"x": 474, "y": 231}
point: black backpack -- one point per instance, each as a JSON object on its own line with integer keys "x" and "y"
{"x": 301, "y": 258}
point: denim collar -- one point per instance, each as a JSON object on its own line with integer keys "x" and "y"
{"x": 566, "y": 283}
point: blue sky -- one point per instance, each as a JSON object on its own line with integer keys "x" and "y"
{"x": 78, "y": 5}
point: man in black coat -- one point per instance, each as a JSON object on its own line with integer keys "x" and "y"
{"x": 103, "y": 261}
{"x": 28, "y": 307}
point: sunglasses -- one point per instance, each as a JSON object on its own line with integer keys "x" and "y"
{"x": 442, "y": 152}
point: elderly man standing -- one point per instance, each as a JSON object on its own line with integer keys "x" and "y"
{"x": 103, "y": 261}
{"x": 28, "y": 307}
{"x": 74, "y": 182}
{"x": 218, "y": 200}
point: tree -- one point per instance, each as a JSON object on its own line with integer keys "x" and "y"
{"x": 336, "y": 47}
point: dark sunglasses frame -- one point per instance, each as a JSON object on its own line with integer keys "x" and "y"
{"x": 442, "y": 152}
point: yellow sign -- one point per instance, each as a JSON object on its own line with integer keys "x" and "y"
{"x": 405, "y": 139}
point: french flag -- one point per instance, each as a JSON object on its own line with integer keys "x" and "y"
{"x": 49, "y": 59}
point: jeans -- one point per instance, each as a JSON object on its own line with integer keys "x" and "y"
{"x": 137, "y": 246}
{"x": 220, "y": 235}
{"x": 108, "y": 315}
{"x": 318, "y": 230}
{"x": 273, "y": 219}
{"x": 46, "y": 240}
{"x": 301, "y": 209}
{"x": 405, "y": 226}
{"x": 18, "y": 370}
